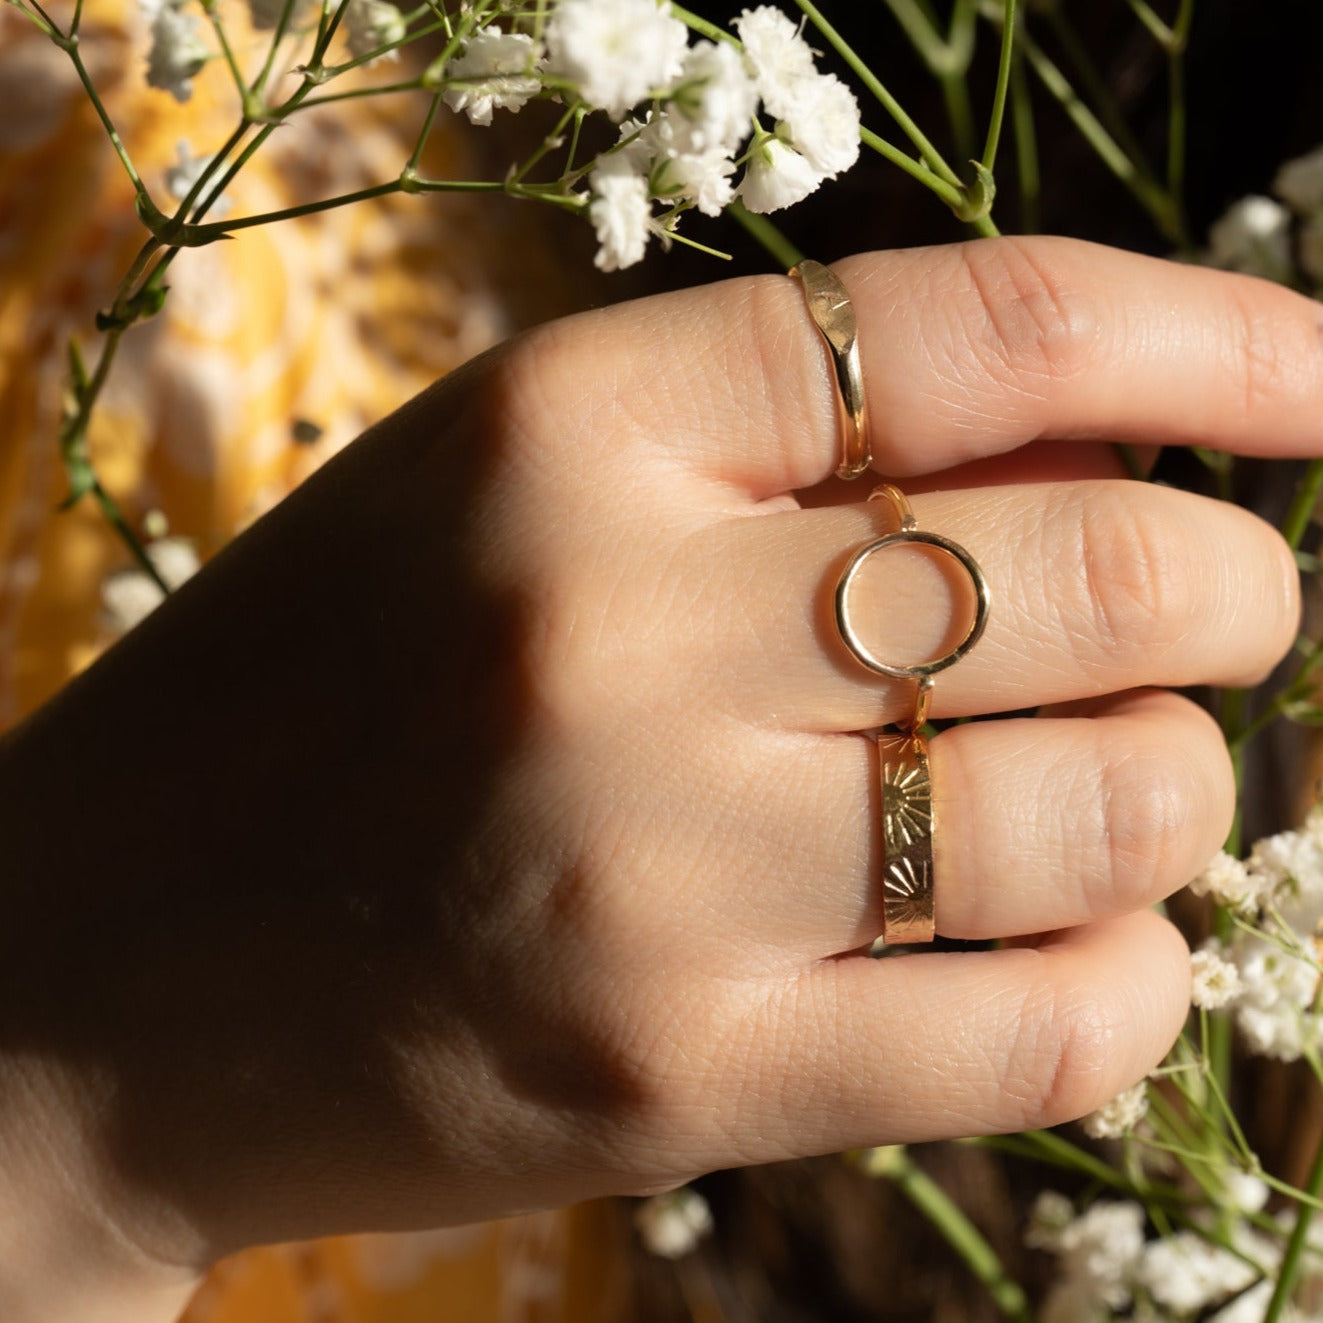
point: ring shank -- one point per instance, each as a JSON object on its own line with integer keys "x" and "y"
{"x": 918, "y": 670}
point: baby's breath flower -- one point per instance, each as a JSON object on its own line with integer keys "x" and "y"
{"x": 1299, "y": 183}
{"x": 1277, "y": 991}
{"x": 621, "y": 213}
{"x": 781, "y": 58}
{"x": 1244, "y": 1191}
{"x": 1118, "y": 1118}
{"x": 1291, "y": 867}
{"x": 186, "y": 171}
{"x": 672, "y": 1224}
{"x": 1252, "y": 235}
{"x": 1101, "y": 1249}
{"x": 177, "y": 53}
{"x": 131, "y": 595}
{"x": 702, "y": 177}
{"x": 714, "y": 100}
{"x": 616, "y": 52}
{"x": 1230, "y": 883}
{"x": 777, "y": 176}
{"x": 372, "y": 24}
{"x": 499, "y": 71}
{"x": 1050, "y": 1215}
{"x": 1215, "y": 980}
{"x": 822, "y": 122}
{"x": 1184, "y": 1273}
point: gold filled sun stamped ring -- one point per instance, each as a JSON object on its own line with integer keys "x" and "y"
{"x": 907, "y": 809}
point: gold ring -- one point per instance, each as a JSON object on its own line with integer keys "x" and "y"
{"x": 908, "y": 533}
{"x": 907, "y": 838}
{"x": 908, "y": 819}
{"x": 833, "y": 314}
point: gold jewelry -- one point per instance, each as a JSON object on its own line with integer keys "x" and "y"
{"x": 908, "y": 820}
{"x": 833, "y": 314}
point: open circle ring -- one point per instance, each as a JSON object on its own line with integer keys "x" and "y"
{"x": 907, "y": 534}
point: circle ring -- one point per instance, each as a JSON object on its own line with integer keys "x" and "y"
{"x": 860, "y": 650}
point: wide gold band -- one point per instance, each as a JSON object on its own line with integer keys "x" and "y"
{"x": 907, "y": 831}
{"x": 833, "y": 314}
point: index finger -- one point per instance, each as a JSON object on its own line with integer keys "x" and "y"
{"x": 971, "y": 350}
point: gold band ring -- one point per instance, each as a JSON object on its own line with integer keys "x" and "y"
{"x": 833, "y": 314}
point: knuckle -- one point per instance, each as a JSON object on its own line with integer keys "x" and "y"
{"x": 1264, "y": 364}
{"x": 1135, "y": 576}
{"x": 1057, "y": 1068}
{"x": 1029, "y": 323}
{"x": 1144, "y": 800}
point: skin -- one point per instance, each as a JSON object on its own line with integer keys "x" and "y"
{"x": 488, "y": 829}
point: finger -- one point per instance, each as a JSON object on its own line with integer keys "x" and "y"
{"x": 856, "y": 1052}
{"x": 1095, "y": 587}
{"x": 1040, "y": 824}
{"x": 968, "y": 350}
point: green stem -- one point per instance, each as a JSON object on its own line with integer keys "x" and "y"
{"x": 70, "y": 46}
{"x": 572, "y": 112}
{"x": 201, "y": 183}
{"x": 704, "y": 27}
{"x": 1177, "y": 115}
{"x": 423, "y": 134}
{"x": 950, "y": 194}
{"x": 782, "y": 251}
{"x": 1295, "y": 1247}
{"x": 38, "y": 19}
{"x": 358, "y": 93}
{"x": 950, "y": 1222}
{"x": 960, "y": 113}
{"x": 258, "y": 89}
{"x": 1026, "y": 151}
{"x": 1096, "y": 88}
{"x": 893, "y": 107}
{"x": 1162, "y": 34}
{"x": 210, "y": 9}
{"x": 1307, "y": 490}
{"x": 1003, "y": 83}
{"x": 1142, "y": 187}
{"x": 941, "y": 57}
{"x": 74, "y": 450}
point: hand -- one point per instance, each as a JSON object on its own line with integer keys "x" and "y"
{"x": 487, "y": 829}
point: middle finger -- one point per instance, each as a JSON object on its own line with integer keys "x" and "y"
{"x": 1096, "y": 587}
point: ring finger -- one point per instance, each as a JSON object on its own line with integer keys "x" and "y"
{"x": 1043, "y": 824}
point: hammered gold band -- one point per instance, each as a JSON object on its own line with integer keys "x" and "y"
{"x": 833, "y": 314}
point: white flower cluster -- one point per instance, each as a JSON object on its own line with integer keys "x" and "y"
{"x": 177, "y": 52}
{"x": 672, "y": 1224}
{"x": 1109, "y": 1269}
{"x": 1270, "y": 236}
{"x": 1117, "y": 1118}
{"x": 695, "y": 106}
{"x": 129, "y": 596}
{"x": 686, "y": 147}
{"x": 1269, "y": 974}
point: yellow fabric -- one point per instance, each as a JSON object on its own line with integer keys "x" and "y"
{"x": 333, "y": 321}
